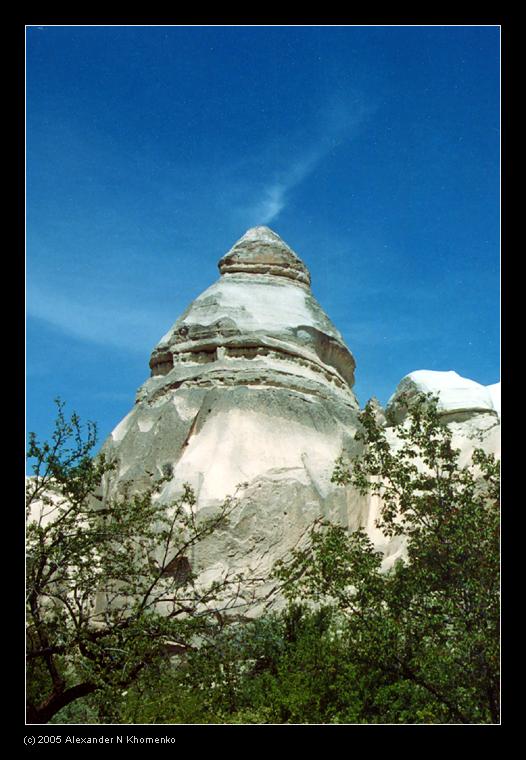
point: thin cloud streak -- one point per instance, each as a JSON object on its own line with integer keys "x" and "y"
{"x": 276, "y": 195}
{"x": 341, "y": 123}
{"x": 130, "y": 329}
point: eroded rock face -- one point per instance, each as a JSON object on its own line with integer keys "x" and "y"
{"x": 252, "y": 385}
{"x": 261, "y": 251}
{"x": 459, "y": 398}
{"x": 470, "y": 410}
{"x": 262, "y": 314}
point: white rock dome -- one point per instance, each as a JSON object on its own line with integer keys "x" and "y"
{"x": 455, "y": 393}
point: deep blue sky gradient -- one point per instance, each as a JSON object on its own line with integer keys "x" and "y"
{"x": 373, "y": 152}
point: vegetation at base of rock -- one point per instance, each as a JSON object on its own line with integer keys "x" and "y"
{"x": 432, "y": 623}
{"x": 417, "y": 644}
{"x": 98, "y": 574}
{"x": 295, "y": 667}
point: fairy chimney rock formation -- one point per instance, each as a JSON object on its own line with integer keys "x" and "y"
{"x": 251, "y": 385}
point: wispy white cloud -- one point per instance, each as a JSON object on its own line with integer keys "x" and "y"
{"x": 275, "y": 195}
{"x": 96, "y": 315}
{"x": 271, "y": 204}
{"x": 116, "y": 325}
{"x": 338, "y": 123}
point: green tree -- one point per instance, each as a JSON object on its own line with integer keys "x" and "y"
{"x": 429, "y": 628}
{"x": 109, "y": 585}
{"x": 287, "y": 667}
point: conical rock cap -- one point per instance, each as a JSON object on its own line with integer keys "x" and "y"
{"x": 262, "y": 251}
{"x": 261, "y": 306}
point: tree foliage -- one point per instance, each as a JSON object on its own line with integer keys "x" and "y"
{"x": 356, "y": 644}
{"x": 287, "y": 667}
{"x": 430, "y": 626}
{"x": 109, "y": 584}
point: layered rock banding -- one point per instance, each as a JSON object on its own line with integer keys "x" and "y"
{"x": 261, "y": 309}
{"x": 253, "y": 385}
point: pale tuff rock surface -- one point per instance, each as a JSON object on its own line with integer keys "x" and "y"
{"x": 456, "y": 394}
{"x": 471, "y": 412}
{"x": 261, "y": 251}
{"x": 252, "y": 385}
{"x": 262, "y": 314}
{"x": 494, "y": 391}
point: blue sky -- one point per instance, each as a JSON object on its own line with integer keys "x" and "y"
{"x": 372, "y": 151}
